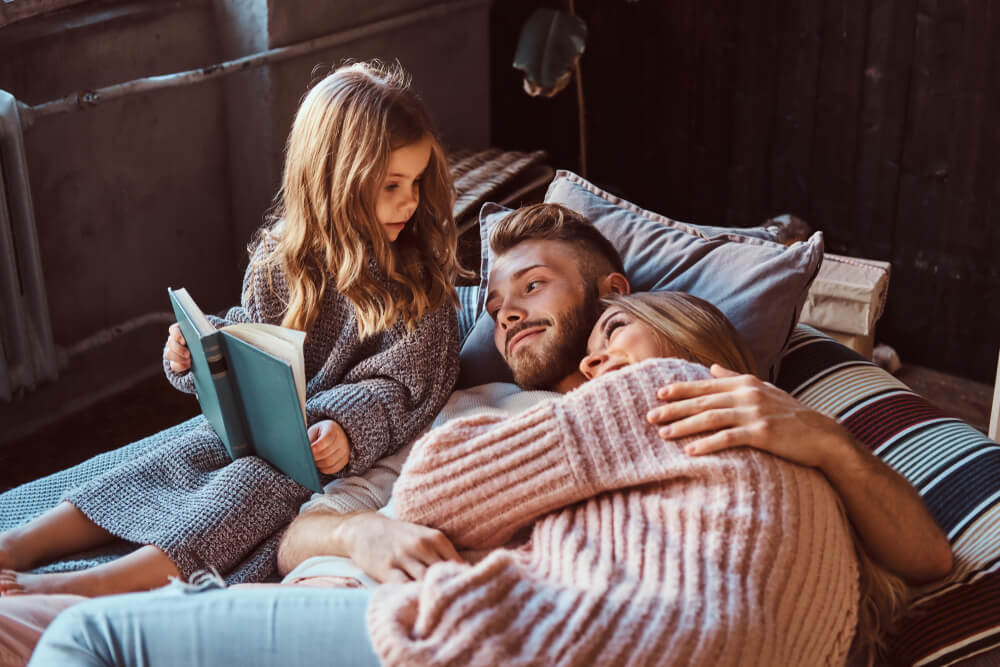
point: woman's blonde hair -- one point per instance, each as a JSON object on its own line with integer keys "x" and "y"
{"x": 324, "y": 220}
{"x": 883, "y": 600}
{"x": 704, "y": 335}
{"x": 689, "y": 325}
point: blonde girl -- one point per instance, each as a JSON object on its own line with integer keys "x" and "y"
{"x": 360, "y": 255}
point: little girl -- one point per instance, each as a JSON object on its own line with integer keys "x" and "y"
{"x": 360, "y": 254}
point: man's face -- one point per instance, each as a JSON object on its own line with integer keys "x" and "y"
{"x": 543, "y": 312}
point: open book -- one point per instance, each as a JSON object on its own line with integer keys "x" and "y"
{"x": 251, "y": 384}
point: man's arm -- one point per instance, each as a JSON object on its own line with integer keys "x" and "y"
{"x": 890, "y": 516}
{"x": 344, "y": 522}
{"x": 742, "y": 410}
{"x": 312, "y": 533}
{"x": 386, "y": 549}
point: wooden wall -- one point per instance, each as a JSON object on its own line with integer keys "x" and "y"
{"x": 877, "y": 121}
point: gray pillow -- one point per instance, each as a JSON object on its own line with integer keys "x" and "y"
{"x": 759, "y": 285}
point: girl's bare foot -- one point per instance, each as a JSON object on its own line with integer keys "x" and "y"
{"x": 21, "y": 583}
{"x": 5, "y": 553}
{"x": 145, "y": 568}
{"x": 9, "y": 552}
{"x": 61, "y": 531}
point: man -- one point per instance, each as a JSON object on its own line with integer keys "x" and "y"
{"x": 551, "y": 270}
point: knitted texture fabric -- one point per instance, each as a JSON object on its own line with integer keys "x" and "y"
{"x": 203, "y": 510}
{"x": 639, "y": 553}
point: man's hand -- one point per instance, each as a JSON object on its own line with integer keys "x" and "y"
{"x": 331, "y": 449}
{"x": 743, "y": 410}
{"x": 392, "y": 550}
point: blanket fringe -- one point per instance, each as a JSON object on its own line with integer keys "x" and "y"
{"x": 199, "y": 582}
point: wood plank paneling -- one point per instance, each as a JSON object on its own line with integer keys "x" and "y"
{"x": 753, "y": 105}
{"x": 888, "y": 53}
{"x": 923, "y": 294}
{"x": 714, "y": 44}
{"x": 672, "y": 114}
{"x": 966, "y": 160}
{"x": 980, "y": 326}
{"x": 835, "y": 130}
{"x": 800, "y": 25}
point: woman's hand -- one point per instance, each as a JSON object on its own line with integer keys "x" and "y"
{"x": 331, "y": 448}
{"x": 176, "y": 351}
{"x": 742, "y": 410}
{"x": 393, "y": 550}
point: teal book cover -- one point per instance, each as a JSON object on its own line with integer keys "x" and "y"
{"x": 250, "y": 383}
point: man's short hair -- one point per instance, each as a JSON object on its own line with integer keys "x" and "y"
{"x": 554, "y": 222}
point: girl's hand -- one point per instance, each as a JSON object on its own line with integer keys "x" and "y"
{"x": 176, "y": 351}
{"x": 330, "y": 446}
{"x": 734, "y": 410}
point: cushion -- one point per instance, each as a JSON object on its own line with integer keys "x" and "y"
{"x": 468, "y": 296}
{"x": 848, "y": 295}
{"x": 954, "y": 467}
{"x": 760, "y": 285}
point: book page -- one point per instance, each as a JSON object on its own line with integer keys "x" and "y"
{"x": 281, "y": 342}
{"x": 191, "y": 309}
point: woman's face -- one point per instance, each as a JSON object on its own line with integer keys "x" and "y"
{"x": 619, "y": 340}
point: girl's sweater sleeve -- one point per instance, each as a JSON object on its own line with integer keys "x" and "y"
{"x": 259, "y": 304}
{"x": 479, "y": 480}
{"x": 390, "y": 396}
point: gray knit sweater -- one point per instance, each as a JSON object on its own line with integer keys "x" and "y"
{"x": 204, "y": 510}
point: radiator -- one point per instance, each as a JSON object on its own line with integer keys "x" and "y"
{"x": 27, "y": 353}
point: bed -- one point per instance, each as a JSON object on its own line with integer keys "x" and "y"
{"x": 954, "y": 467}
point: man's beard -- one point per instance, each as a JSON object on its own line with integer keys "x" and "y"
{"x": 554, "y": 359}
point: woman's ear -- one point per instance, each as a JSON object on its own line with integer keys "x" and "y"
{"x": 613, "y": 283}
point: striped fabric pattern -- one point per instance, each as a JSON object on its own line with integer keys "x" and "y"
{"x": 954, "y": 467}
{"x": 468, "y": 300}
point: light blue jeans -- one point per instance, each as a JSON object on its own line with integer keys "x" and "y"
{"x": 207, "y": 626}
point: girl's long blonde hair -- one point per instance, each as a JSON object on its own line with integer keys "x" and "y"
{"x": 698, "y": 330}
{"x": 324, "y": 218}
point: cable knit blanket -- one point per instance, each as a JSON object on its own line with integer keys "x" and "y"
{"x": 639, "y": 554}
{"x": 22, "y": 503}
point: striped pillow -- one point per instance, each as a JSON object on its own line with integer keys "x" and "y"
{"x": 467, "y": 301}
{"x": 954, "y": 467}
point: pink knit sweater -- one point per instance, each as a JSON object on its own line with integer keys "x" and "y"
{"x": 639, "y": 554}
